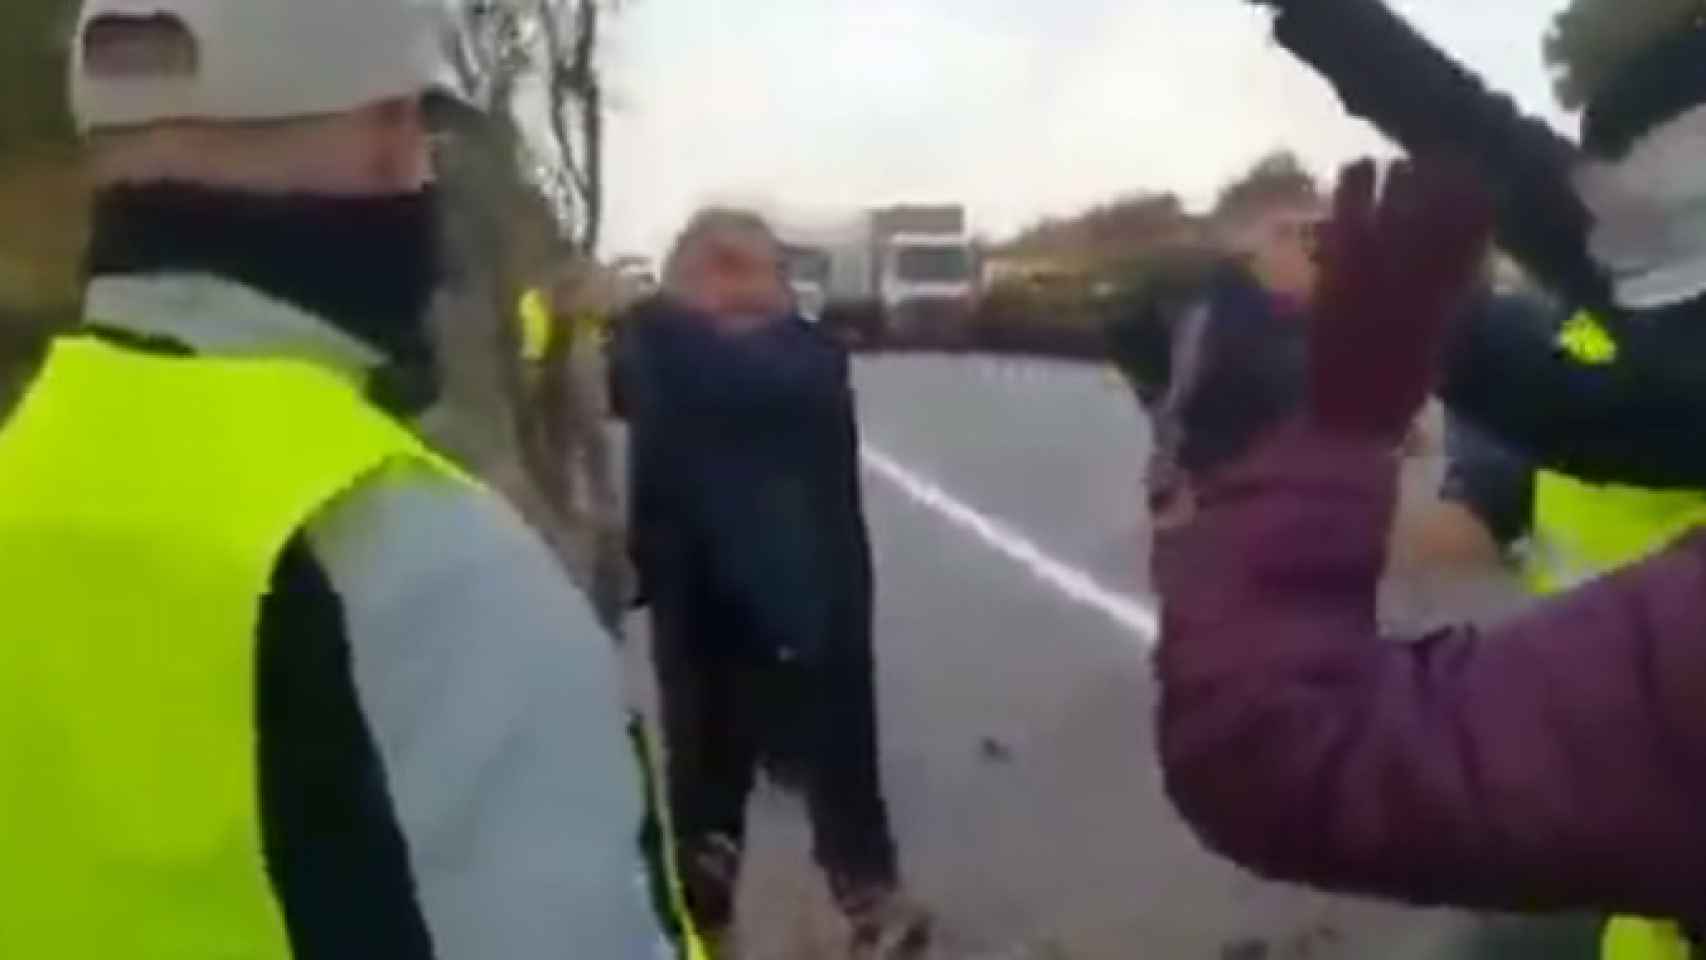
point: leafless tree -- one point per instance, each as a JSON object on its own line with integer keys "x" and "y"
{"x": 521, "y": 174}
{"x": 505, "y": 47}
{"x": 575, "y": 90}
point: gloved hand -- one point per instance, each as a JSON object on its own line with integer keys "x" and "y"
{"x": 1397, "y": 265}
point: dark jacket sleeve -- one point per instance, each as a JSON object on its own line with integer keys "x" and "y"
{"x": 1557, "y": 762}
{"x": 1491, "y": 480}
{"x": 1625, "y": 422}
{"x": 1388, "y": 74}
{"x": 319, "y": 765}
{"x": 1630, "y": 422}
{"x": 777, "y": 373}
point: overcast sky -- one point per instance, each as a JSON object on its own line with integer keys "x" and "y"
{"x": 1018, "y": 108}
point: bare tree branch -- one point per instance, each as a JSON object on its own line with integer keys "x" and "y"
{"x": 502, "y": 47}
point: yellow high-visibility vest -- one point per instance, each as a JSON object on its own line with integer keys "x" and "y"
{"x": 144, "y": 503}
{"x": 535, "y": 313}
{"x": 1636, "y": 938}
{"x": 1584, "y": 530}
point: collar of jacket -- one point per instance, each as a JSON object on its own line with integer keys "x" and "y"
{"x": 366, "y": 266}
{"x": 213, "y": 315}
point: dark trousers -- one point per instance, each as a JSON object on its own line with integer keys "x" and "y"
{"x": 812, "y": 726}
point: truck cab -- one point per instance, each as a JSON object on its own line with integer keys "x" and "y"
{"x": 927, "y": 283}
{"x": 808, "y": 270}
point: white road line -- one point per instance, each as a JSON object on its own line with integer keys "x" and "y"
{"x": 1135, "y": 618}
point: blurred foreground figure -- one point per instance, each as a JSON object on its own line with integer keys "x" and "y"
{"x": 749, "y": 539}
{"x": 1552, "y": 763}
{"x": 280, "y": 681}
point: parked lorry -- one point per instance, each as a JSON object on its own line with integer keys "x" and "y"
{"x": 924, "y": 269}
{"x": 908, "y": 271}
{"x": 809, "y": 266}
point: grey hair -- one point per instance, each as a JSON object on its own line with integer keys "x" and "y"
{"x": 707, "y": 223}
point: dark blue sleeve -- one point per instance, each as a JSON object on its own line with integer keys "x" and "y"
{"x": 1495, "y": 482}
{"x": 1246, "y": 377}
{"x": 1632, "y": 421}
{"x": 784, "y": 369}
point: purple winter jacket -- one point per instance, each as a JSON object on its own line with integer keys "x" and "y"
{"x": 1555, "y": 762}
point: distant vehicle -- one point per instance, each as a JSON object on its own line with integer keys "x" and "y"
{"x": 636, "y": 275}
{"x": 923, "y": 269}
{"x": 910, "y": 271}
{"x": 809, "y": 268}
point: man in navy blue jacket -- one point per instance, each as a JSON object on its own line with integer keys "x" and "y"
{"x": 748, "y": 535}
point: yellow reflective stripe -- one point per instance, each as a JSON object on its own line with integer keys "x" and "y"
{"x": 143, "y": 504}
{"x": 692, "y": 944}
{"x": 1587, "y": 341}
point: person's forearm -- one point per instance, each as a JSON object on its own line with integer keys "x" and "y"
{"x": 1529, "y": 769}
{"x": 1390, "y": 75}
{"x": 758, "y": 375}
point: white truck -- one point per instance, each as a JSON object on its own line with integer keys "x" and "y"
{"x": 910, "y": 271}
{"x": 809, "y": 266}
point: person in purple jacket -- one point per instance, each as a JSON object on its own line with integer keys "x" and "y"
{"x": 1556, "y": 762}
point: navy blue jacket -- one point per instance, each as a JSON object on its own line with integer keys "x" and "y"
{"x": 746, "y": 525}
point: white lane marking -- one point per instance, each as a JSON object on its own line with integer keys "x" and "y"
{"x": 1132, "y": 616}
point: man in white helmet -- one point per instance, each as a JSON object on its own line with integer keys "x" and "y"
{"x": 279, "y": 682}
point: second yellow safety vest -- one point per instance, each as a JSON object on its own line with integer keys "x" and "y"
{"x": 536, "y": 333}
{"x": 1582, "y": 531}
{"x": 144, "y": 502}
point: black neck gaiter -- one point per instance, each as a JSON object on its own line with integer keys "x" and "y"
{"x": 366, "y": 265}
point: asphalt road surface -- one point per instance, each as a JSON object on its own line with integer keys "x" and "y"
{"x": 1013, "y": 633}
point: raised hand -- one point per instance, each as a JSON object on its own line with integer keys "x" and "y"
{"x": 1398, "y": 262}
